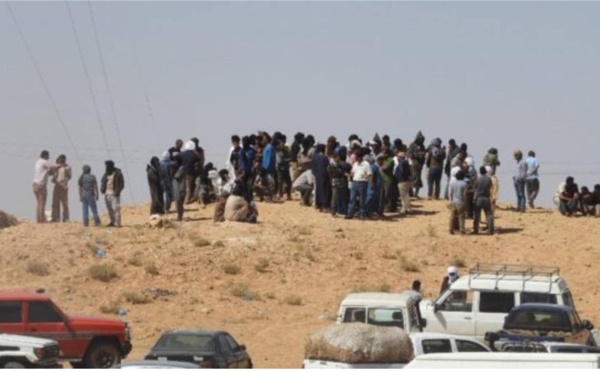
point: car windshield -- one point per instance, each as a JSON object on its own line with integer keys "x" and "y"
{"x": 187, "y": 342}
{"x": 388, "y": 317}
{"x": 538, "y": 320}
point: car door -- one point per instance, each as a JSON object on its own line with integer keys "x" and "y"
{"x": 468, "y": 346}
{"x": 227, "y": 353}
{"x": 241, "y": 356}
{"x": 454, "y": 314}
{"x": 45, "y": 321}
{"x": 12, "y": 319}
{"x": 492, "y": 308}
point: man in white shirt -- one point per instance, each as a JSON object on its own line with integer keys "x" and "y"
{"x": 361, "y": 174}
{"x": 43, "y": 169}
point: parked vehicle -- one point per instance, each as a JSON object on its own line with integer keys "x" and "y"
{"x": 478, "y": 302}
{"x": 382, "y": 309}
{"x": 28, "y": 352}
{"x": 505, "y": 361}
{"x": 543, "y": 322}
{"x": 547, "y": 347}
{"x": 423, "y": 343}
{"x": 154, "y": 364}
{"x": 84, "y": 341}
{"x": 208, "y": 349}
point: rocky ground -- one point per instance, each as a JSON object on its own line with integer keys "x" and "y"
{"x": 273, "y": 283}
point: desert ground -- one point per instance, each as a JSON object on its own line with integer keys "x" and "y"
{"x": 273, "y": 283}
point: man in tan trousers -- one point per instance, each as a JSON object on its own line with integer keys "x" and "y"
{"x": 60, "y": 195}
{"x": 43, "y": 169}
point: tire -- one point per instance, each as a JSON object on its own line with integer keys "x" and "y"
{"x": 77, "y": 365}
{"x": 250, "y": 365}
{"x": 13, "y": 364}
{"x": 102, "y": 354}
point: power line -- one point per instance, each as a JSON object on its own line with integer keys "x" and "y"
{"x": 110, "y": 100}
{"x": 87, "y": 76}
{"x": 144, "y": 91}
{"x": 43, "y": 81}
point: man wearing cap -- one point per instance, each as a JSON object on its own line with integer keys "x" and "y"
{"x": 519, "y": 180}
{"x": 112, "y": 184}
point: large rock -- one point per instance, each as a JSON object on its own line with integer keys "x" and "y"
{"x": 360, "y": 343}
{"x": 6, "y": 220}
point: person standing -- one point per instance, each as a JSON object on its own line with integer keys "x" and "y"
{"x": 157, "y": 206}
{"x": 88, "y": 195}
{"x": 295, "y": 151}
{"x": 112, "y": 185}
{"x": 451, "y": 277}
{"x": 43, "y": 169}
{"x": 282, "y": 162}
{"x": 453, "y": 150}
{"x": 435, "y": 162}
{"x": 178, "y": 186}
{"x": 361, "y": 175}
{"x": 533, "y": 181}
{"x": 458, "y": 190}
{"x": 60, "y": 196}
{"x": 519, "y": 180}
{"x": 165, "y": 178}
{"x": 403, "y": 177}
{"x": 416, "y": 154}
{"x": 319, "y": 169}
{"x": 483, "y": 188}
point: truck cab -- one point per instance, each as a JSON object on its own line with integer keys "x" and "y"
{"x": 382, "y": 309}
{"x": 477, "y": 303}
{"x": 84, "y": 341}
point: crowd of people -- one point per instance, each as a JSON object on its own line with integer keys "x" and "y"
{"x": 359, "y": 179}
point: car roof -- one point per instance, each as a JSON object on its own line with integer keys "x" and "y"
{"x": 542, "y": 307}
{"x": 200, "y": 332}
{"x": 20, "y": 295}
{"x": 511, "y": 283}
{"x": 501, "y": 356}
{"x": 378, "y": 298}
{"x": 153, "y": 363}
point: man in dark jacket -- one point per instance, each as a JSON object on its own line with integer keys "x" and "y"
{"x": 112, "y": 185}
{"x": 156, "y": 187}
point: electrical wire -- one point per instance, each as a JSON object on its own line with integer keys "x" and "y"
{"x": 88, "y": 79}
{"x": 110, "y": 99}
{"x": 43, "y": 81}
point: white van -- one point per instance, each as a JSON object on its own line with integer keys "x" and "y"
{"x": 505, "y": 361}
{"x": 478, "y": 302}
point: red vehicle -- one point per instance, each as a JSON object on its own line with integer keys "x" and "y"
{"x": 85, "y": 342}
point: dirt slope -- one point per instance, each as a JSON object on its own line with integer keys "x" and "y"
{"x": 294, "y": 255}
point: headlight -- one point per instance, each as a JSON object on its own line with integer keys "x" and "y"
{"x": 39, "y": 352}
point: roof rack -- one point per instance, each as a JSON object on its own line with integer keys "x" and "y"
{"x": 526, "y": 272}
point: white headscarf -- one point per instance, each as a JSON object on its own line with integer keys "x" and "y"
{"x": 189, "y": 145}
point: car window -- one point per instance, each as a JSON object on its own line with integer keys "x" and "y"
{"x": 355, "y": 314}
{"x": 436, "y": 346}
{"x": 10, "y": 312}
{"x": 43, "y": 312}
{"x": 567, "y": 299}
{"x": 574, "y": 350}
{"x": 225, "y": 348}
{"x": 458, "y": 301}
{"x": 538, "y": 319}
{"x": 390, "y": 317}
{"x": 187, "y": 342}
{"x": 232, "y": 344}
{"x": 538, "y": 298}
{"x": 496, "y": 302}
{"x": 468, "y": 346}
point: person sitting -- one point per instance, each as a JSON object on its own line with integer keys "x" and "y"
{"x": 569, "y": 198}
{"x": 586, "y": 201}
{"x": 237, "y": 207}
{"x": 264, "y": 186}
{"x": 305, "y": 184}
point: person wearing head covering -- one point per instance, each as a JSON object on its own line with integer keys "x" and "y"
{"x": 165, "y": 175}
{"x": 155, "y": 183}
{"x": 416, "y": 153}
{"x": 88, "y": 195}
{"x": 494, "y": 192}
{"x": 434, "y": 160}
{"x": 294, "y": 152}
{"x": 470, "y": 177}
{"x": 451, "y": 276}
{"x": 519, "y": 180}
{"x": 112, "y": 185}
{"x": 322, "y": 184}
{"x": 60, "y": 196}
{"x": 178, "y": 185}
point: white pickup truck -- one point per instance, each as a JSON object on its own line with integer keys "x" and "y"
{"x": 28, "y": 352}
{"x": 423, "y": 343}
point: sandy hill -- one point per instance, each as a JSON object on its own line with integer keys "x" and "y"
{"x": 272, "y": 283}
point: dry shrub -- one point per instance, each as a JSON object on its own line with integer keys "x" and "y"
{"x": 262, "y": 266}
{"x": 110, "y": 309}
{"x": 242, "y": 290}
{"x": 358, "y": 255}
{"x": 389, "y": 256}
{"x": 103, "y": 273}
{"x": 360, "y": 343}
{"x": 409, "y": 266}
{"x": 305, "y": 230}
{"x": 136, "y": 298}
{"x": 7, "y": 220}
{"x": 293, "y": 300}
{"x": 458, "y": 262}
{"x": 136, "y": 260}
{"x": 231, "y": 269}
{"x": 38, "y": 268}
{"x": 219, "y": 244}
{"x": 152, "y": 269}
{"x": 368, "y": 289}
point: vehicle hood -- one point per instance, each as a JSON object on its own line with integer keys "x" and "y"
{"x": 93, "y": 321}
{"x": 14, "y": 340}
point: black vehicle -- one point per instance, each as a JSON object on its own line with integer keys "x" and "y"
{"x": 543, "y": 323}
{"x": 208, "y": 349}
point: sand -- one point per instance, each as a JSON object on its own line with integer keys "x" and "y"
{"x": 274, "y": 283}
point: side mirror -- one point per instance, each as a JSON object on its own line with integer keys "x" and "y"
{"x": 436, "y": 308}
{"x": 586, "y": 324}
{"x": 243, "y": 347}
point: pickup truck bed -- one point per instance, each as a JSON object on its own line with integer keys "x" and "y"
{"x": 323, "y": 364}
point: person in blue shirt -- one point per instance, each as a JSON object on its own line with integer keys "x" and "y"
{"x": 532, "y": 181}
{"x": 375, "y": 188}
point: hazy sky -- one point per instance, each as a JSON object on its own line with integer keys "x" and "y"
{"x": 503, "y": 74}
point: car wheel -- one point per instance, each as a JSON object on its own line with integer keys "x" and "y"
{"x": 250, "y": 365}
{"x": 77, "y": 365}
{"x": 13, "y": 364}
{"x": 102, "y": 354}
